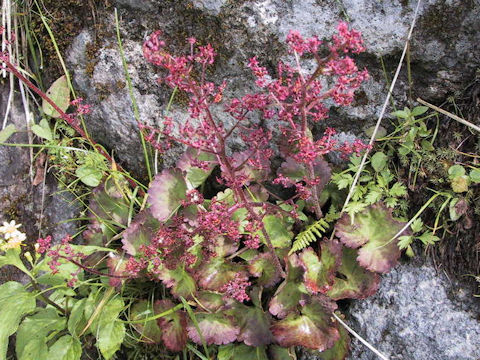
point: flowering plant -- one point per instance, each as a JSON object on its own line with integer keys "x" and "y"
{"x": 235, "y": 264}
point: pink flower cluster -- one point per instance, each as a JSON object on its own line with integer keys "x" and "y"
{"x": 236, "y": 288}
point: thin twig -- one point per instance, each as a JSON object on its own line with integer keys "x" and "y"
{"x": 450, "y": 115}
{"x": 364, "y": 342}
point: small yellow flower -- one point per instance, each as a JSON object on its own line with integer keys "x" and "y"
{"x": 9, "y": 229}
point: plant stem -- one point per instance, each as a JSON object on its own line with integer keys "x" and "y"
{"x": 45, "y": 299}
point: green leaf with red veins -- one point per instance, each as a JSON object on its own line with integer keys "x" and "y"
{"x": 216, "y": 328}
{"x": 372, "y": 230}
{"x": 339, "y": 351}
{"x": 195, "y": 175}
{"x": 355, "y": 282}
{"x": 241, "y": 352}
{"x": 140, "y": 232}
{"x": 278, "y": 230}
{"x": 216, "y": 273}
{"x": 314, "y": 328}
{"x": 319, "y": 273}
{"x": 210, "y": 300}
{"x": 290, "y": 292}
{"x": 166, "y": 193}
{"x": 173, "y": 326}
{"x": 263, "y": 267}
{"x": 179, "y": 281}
{"x": 254, "y": 324}
{"x": 149, "y": 330}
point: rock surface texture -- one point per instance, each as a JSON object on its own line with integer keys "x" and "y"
{"x": 443, "y": 53}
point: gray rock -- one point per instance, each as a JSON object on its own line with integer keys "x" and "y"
{"x": 417, "y": 314}
{"x": 443, "y": 53}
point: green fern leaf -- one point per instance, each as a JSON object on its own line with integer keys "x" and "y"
{"x": 309, "y": 235}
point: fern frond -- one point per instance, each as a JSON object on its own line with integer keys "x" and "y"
{"x": 310, "y": 234}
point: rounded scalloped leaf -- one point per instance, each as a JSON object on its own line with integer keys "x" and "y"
{"x": 216, "y": 273}
{"x": 292, "y": 169}
{"x": 263, "y": 267}
{"x": 289, "y": 293}
{"x": 313, "y": 329}
{"x": 140, "y": 232}
{"x": 254, "y": 325}
{"x": 372, "y": 230}
{"x": 173, "y": 326}
{"x": 320, "y": 272}
{"x": 179, "y": 281}
{"x": 340, "y": 350}
{"x": 166, "y": 193}
{"x": 355, "y": 281}
{"x": 217, "y": 328}
{"x": 196, "y": 176}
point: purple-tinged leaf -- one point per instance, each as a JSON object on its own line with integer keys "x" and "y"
{"x": 313, "y": 329}
{"x": 108, "y": 203}
{"x": 223, "y": 246}
{"x": 216, "y": 273}
{"x": 179, "y": 281}
{"x": 140, "y": 232}
{"x": 216, "y": 328}
{"x": 195, "y": 175}
{"x": 254, "y": 325}
{"x": 355, "y": 281}
{"x": 240, "y": 158}
{"x": 372, "y": 230}
{"x": 319, "y": 273}
{"x": 263, "y": 267}
{"x": 166, "y": 193}
{"x": 292, "y": 169}
{"x": 149, "y": 331}
{"x": 210, "y": 300}
{"x": 173, "y": 326}
{"x": 289, "y": 293}
{"x": 339, "y": 351}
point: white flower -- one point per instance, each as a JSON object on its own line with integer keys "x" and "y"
{"x": 9, "y": 229}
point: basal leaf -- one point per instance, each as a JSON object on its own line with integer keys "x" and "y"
{"x": 166, "y": 193}
{"x": 278, "y": 230}
{"x": 173, "y": 326}
{"x": 179, "y": 281}
{"x": 59, "y": 92}
{"x": 292, "y": 169}
{"x": 372, "y": 230}
{"x": 216, "y": 273}
{"x": 140, "y": 232}
{"x": 216, "y": 328}
{"x": 110, "y": 337}
{"x": 313, "y": 328}
{"x": 339, "y": 351}
{"x": 319, "y": 273}
{"x": 15, "y": 302}
{"x": 108, "y": 203}
{"x": 210, "y": 300}
{"x": 31, "y": 338}
{"x": 149, "y": 330}
{"x": 353, "y": 282}
{"x": 263, "y": 267}
{"x": 195, "y": 175}
{"x": 379, "y": 161}
{"x": 254, "y": 325}
{"x": 289, "y": 293}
